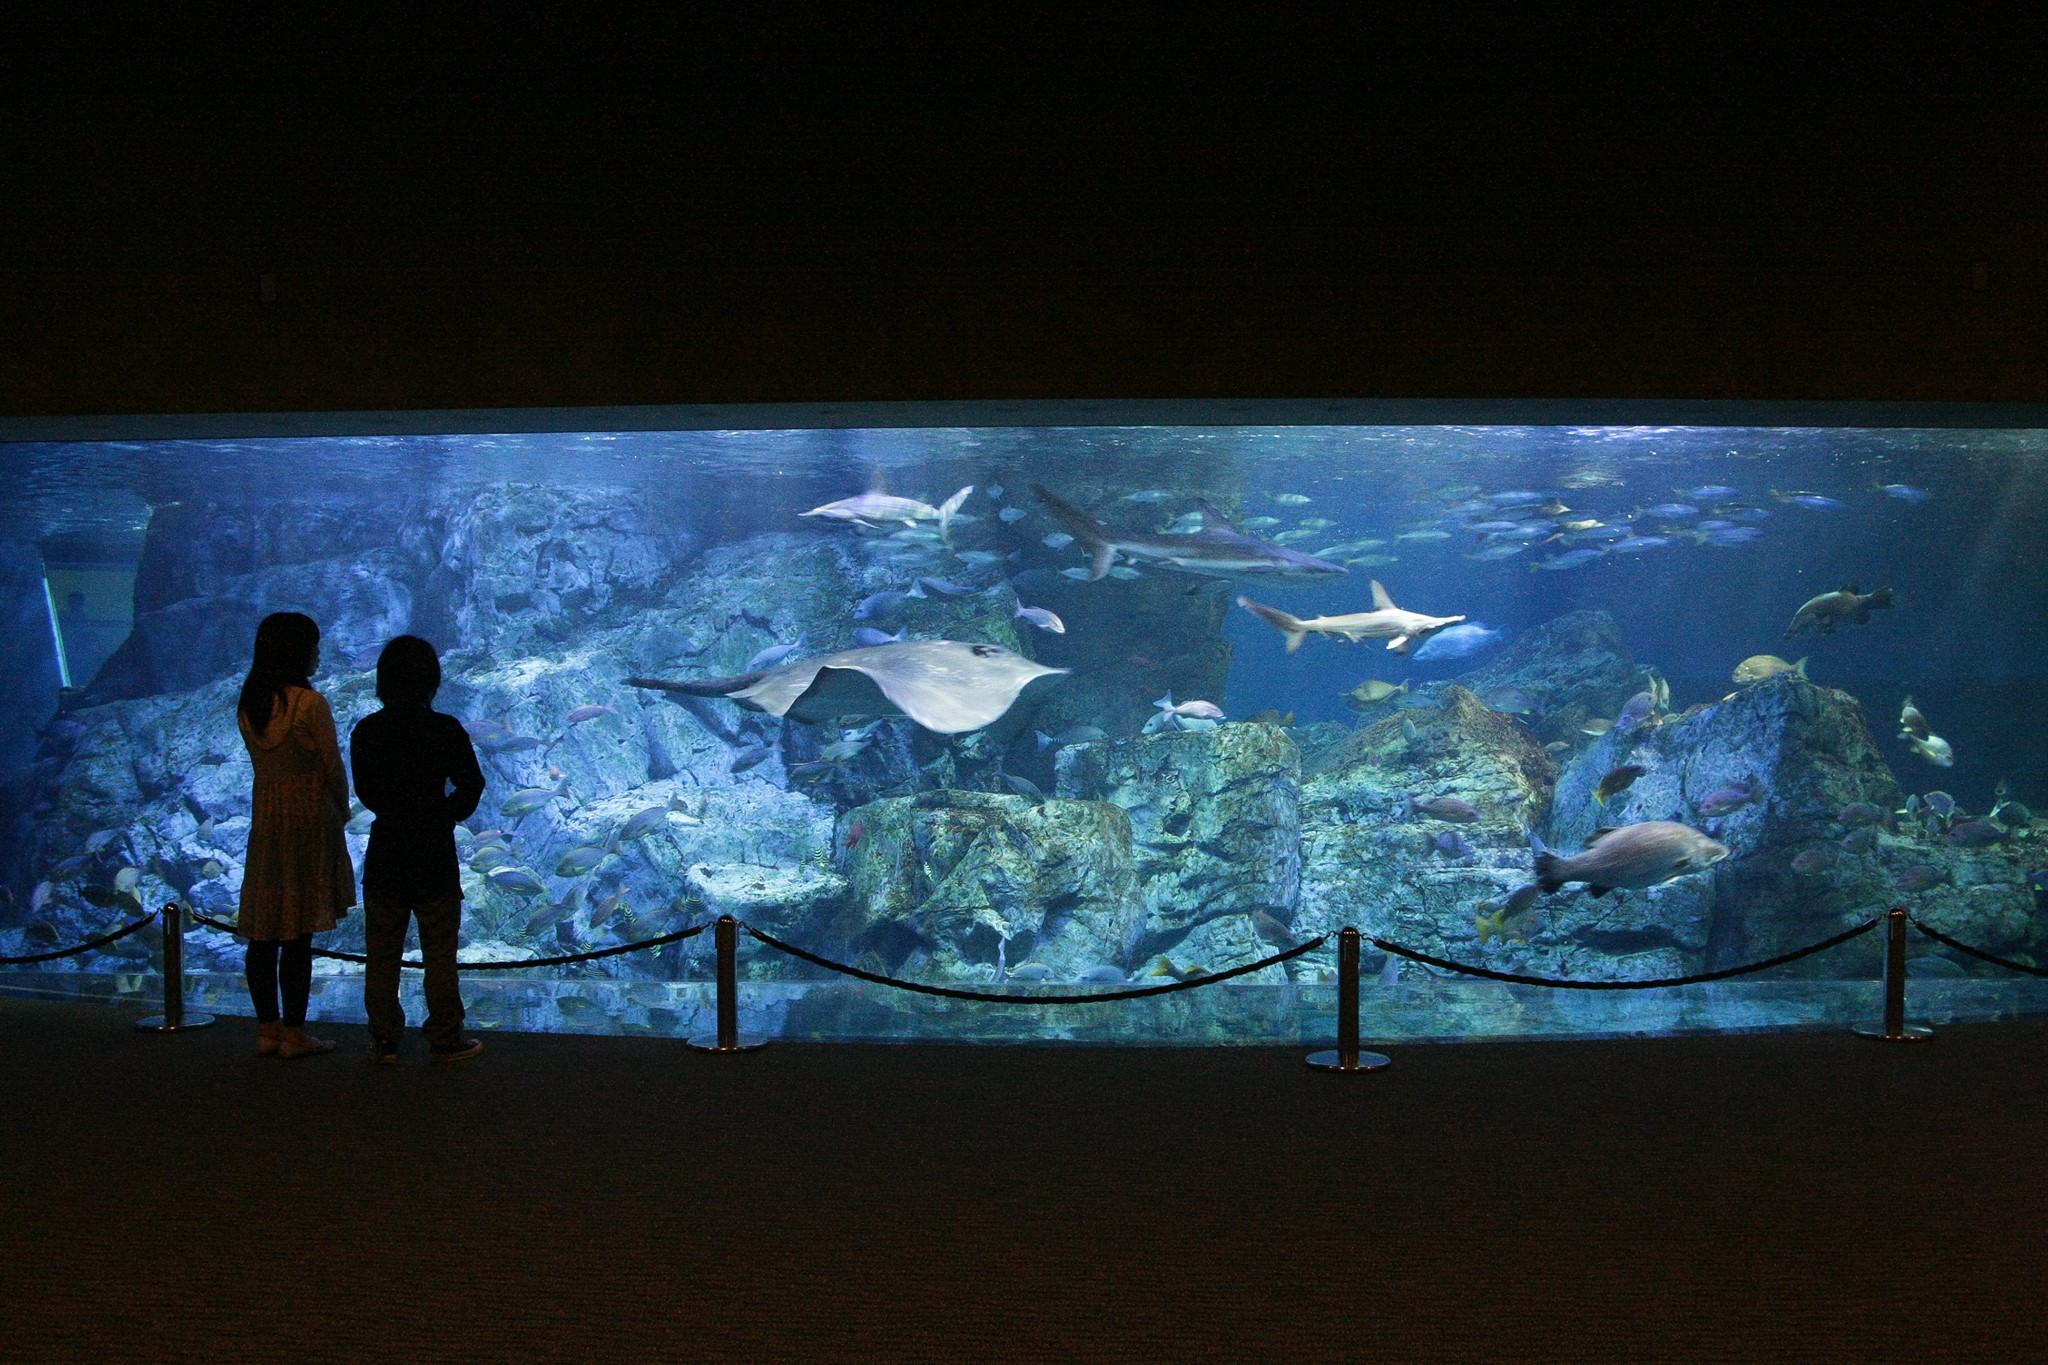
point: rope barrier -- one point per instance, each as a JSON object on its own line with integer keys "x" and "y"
{"x": 102, "y": 941}
{"x": 361, "y": 959}
{"x": 1978, "y": 953}
{"x": 1561, "y": 983}
{"x": 990, "y": 997}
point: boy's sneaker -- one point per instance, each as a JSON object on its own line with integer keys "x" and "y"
{"x": 461, "y": 1050}
{"x": 383, "y": 1052}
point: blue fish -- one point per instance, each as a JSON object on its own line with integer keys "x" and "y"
{"x": 1570, "y": 559}
{"x": 1455, "y": 642}
{"x": 1817, "y": 502}
{"x": 866, "y": 636}
{"x": 1673, "y": 510}
{"x": 1732, "y": 535}
{"x": 1058, "y": 540}
{"x": 995, "y": 492}
{"x": 1751, "y": 514}
{"x": 1636, "y": 545}
{"x": 1010, "y": 514}
{"x": 1905, "y": 492}
{"x": 1712, "y": 492}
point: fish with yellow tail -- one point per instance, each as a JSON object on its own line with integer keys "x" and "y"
{"x": 1496, "y": 919}
{"x": 1402, "y": 630}
{"x": 1629, "y": 858}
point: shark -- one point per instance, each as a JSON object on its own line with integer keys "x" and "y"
{"x": 872, "y": 510}
{"x": 1402, "y": 630}
{"x": 1218, "y": 549}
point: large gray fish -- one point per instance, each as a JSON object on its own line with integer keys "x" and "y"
{"x": 1632, "y": 856}
{"x": 872, "y": 509}
{"x": 1832, "y": 610}
{"x": 1218, "y": 549}
{"x": 1402, "y": 630}
{"x": 944, "y": 685}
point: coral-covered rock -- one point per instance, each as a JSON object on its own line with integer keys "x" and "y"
{"x": 1215, "y": 817}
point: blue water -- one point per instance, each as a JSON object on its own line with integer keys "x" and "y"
{"x": 1950, "y": 519}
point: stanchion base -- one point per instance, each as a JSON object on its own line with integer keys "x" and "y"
{"x": 157, "y": 1023}
{"x": 1332, "y": 1061}
{"x": 708, "y": 1042}
{"x": 1912, "y": 1033}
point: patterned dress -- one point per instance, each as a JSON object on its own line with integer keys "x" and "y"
{"x": 298, "y": 878}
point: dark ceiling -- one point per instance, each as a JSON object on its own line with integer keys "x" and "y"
{"x": 501, "y": 205}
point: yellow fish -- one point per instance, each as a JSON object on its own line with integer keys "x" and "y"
{"x": 1495, "y": 925}
{"x": 1762, "y": 667}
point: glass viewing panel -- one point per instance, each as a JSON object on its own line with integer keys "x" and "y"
{"x": 1056, "y": 709}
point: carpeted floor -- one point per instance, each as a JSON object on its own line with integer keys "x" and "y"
{"x": 1802, "y": 1196}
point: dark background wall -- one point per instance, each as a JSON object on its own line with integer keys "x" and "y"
{"x": 336, "y": 208}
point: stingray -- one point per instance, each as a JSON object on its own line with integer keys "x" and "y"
{"x": 943, "y": 685}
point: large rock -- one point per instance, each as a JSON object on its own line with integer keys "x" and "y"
{"x": 959, "y": 885}
{"x": 1789, "y": 880}
{"x": 1215, "y": 816}
{"x": 359, "y": 602}
{"x": 1372, "y": 860}
{"x": 1566, "y": 671}
{"x": 517, "y": 565}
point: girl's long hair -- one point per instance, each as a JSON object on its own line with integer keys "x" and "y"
{"x": 285, "y": 641}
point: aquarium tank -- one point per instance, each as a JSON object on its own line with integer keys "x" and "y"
{"x": 1040, "y": 707}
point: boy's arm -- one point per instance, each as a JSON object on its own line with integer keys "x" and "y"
{"x": 373, "y": 787}
{"x": 465, "y": 774}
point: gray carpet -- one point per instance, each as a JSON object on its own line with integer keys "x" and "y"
{"x": 1802, "y": 1196}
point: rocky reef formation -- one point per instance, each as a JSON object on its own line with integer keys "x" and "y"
{"x": 1815, "y": 850}
{"x": 968, "y": 886}
{"x": 1557, "y": 676}
{"x": 1418, "y": 817}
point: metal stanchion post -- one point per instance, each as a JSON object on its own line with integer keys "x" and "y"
{"x": 174, "y": 1019}
{"x": 1347, "y": 1057}
{"x": 727, "y": 1039}
{"x": 1895, "y": 1029}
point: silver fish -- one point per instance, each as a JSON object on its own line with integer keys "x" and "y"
{"x": 1043, "y": 619}
{"x": 775, "y": 654}
{"x": 525, "y": 802}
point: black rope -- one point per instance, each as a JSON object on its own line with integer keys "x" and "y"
{"x": 1979, "y": 953}
{"x": 102, "y": 941}
{"x": 564, "y": 959}
{"x": 1562, "y": 984}
{"x": 1208, "y": 979}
